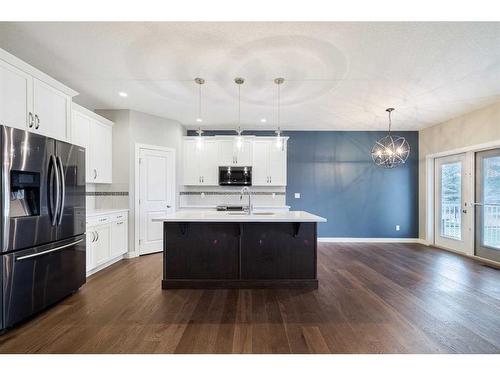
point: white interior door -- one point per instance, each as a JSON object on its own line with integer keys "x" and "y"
{"x": 452, "y": 224}
{"x": 156, "y": 196}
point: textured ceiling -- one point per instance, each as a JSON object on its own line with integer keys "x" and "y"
{"x": 339, "y": 75}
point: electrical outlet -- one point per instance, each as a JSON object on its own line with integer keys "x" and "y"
{"x": 297, "y": 195}
{"x": 202, "y": 195}
{"x": 398, "y": 227}
{"x": 274, "y": 195}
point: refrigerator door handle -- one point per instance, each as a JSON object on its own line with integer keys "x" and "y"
{"x": 54, "y": 175}
{"x": 49, "y": 251}
{"x": 51, "y": 189}
{"x": 6, "y": 192}
{"x": 62, "y": 190}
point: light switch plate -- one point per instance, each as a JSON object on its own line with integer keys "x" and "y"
{"x": 398, "y": 227}
{"x": 297, "y": 195}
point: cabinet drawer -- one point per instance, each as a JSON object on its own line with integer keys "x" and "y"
{"x": 120, "y": 216}
{"x": 96, "y": 220}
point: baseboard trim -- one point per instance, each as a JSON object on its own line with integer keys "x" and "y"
{"x": 364, "y": 239}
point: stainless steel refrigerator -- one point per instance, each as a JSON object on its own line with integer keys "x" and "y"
{"x": 42, "y": 234}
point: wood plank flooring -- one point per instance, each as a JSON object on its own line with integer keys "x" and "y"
{"x": 372, "y": 298}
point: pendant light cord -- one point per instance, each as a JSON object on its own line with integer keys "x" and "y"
{"x": 390, "y": 123}
{"x": 239, "y": 108}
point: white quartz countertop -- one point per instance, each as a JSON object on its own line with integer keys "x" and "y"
{"x": 104, "y": 211}
{"x": 258, "y": 217}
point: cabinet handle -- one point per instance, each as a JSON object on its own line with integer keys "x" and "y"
{"x": 31, "y": 120}
{"x": 270, "y": 179}
{"x": 93, "y": 237}
{"x": 95, "y": 173}
{"x": 203, "y": 179}
{"x": 37, "y": 122}
{"x": 120, "y": 222}
{"x": 97, "y": 234}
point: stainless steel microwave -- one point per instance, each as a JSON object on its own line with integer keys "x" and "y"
{"x": 235, "y": 176}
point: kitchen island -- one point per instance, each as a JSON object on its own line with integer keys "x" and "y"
{"x": 210, "y": 249}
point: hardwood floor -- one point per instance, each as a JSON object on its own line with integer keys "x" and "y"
{"x": 372, "y": 298}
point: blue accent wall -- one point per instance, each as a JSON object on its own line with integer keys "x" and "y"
{"x": 334, "y": 173}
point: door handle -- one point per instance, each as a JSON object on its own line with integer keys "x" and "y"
{"x": 37, "y": 122}
{"x": 31, "y": 120}
{"x": 54, "y": 173}
{"x": 464, "y": 211}
{"x": 63, "y": 189}
{"x": 49, "y": 251}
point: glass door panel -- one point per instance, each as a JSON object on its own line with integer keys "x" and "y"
{"x": 488, "y": 205}
{"x": 450, "y": 206}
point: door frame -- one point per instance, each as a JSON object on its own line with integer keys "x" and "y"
{"x": 136, "y": 216}
{"x": 429, "y": 168}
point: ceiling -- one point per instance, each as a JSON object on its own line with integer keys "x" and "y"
{"x": 338, "y": 76}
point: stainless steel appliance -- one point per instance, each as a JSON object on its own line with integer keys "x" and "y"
{"x": 42, "y": 234}
{"x": 235, "y": 176}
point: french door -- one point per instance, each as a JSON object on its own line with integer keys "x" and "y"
{"x": 452, "y": 222}
{"x": 487, "y": 205}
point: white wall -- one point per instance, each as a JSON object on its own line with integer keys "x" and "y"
{"x": 132, "y": 127}
{"x": 471, "y": 129}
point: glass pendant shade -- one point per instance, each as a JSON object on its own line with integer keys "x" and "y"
{"x": 391, "y": 150}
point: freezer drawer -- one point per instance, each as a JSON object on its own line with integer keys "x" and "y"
{"x": 36, "y": 278}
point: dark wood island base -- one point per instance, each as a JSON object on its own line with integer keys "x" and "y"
{"x": 215, "y": 255}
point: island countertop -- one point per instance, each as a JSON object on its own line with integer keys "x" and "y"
{"x": 235, "y": 216}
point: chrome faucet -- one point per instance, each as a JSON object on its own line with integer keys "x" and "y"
{"x": 247, "y": 190}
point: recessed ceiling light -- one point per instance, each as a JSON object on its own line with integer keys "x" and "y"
{"x": 123, "y": 94}
{"x": 263, "y": 120}
{"x": 199, "y": 119}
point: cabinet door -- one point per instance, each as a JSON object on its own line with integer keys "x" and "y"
{"x": 101, "y": 153}
{"x": 90, "y": 236}
{"x": 102, "y": 244}
{"x": 260, "y": 175}
{"x": 80, "y": 135}
{"x": 207, "y": 160}
{"x": 226, "y": 155}
{"x": 50, "y": 108}
{"x": 119, "y": 238}
{"x": 244, "y": 154}
{"x": 277, "y": 165}
{"x": 15, "y": 91}
{"x": 190, "y": 170}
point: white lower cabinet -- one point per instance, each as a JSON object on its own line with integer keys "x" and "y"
{"x": 107, "y": 240}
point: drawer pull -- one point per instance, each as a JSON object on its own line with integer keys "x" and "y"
{"x": 120, "y": 222}
{"x": 49, "y": 251}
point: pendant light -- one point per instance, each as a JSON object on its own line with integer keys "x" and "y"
{"x": 392, "y": 150}
{"x": 239, "y": 140}
{"x": 279, "y": 138}
{"x": 199, "y": 82}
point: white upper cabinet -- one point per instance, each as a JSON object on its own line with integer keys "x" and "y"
{"x": 209, "y": 169}
{"x": 200, "y": 162}
{"x": 95, "y": 133}
{"x": 260, "y": 170}
{"x": 202, "y": 158}
{"x": 15, "y": 89}
{"x": 232, "y": 152}
{"x": 33, "y": 101}
{"x": 51, "y": 108}
{"x": 101, "y": 153}
{"x": 269, "y": 162}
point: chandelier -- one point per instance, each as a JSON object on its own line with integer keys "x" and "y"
{"x": 392, "y": 150}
